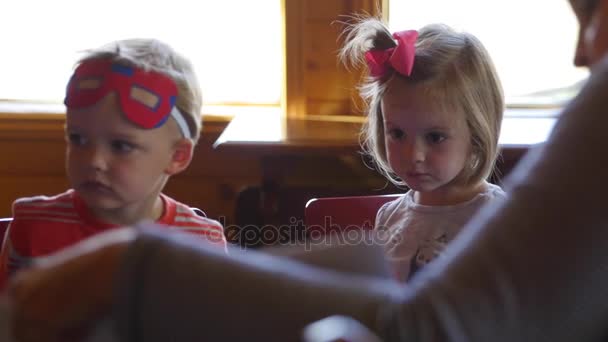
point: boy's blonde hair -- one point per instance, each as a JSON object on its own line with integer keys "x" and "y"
{"x": 454, "y": 67}
{"x": 154, "y": 55}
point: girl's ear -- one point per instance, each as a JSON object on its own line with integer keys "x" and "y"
{"x": 181, "y": 157}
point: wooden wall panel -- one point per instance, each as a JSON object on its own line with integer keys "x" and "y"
{"x": 317, "y": 84}
{"x": 323, "y": 9}
{"x": 320, "y": 88}
{"x": 15, "y": 186}
{"x": 329, "y": 107}
{"x": 322, "y": 44}
{"x": 40, "y": 158}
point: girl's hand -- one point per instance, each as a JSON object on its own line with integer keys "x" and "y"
{"x": 62, "y": 297}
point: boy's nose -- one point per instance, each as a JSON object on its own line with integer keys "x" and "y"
{"x": 96, "y": 159}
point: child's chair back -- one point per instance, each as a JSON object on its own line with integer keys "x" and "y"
{"x": 4, "y": 222}
{"x": 333, "y": 214}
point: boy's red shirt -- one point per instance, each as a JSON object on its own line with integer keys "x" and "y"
{"x": 44, "y": 225}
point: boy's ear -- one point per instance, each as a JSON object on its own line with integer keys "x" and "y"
{"x": 181, "y": 157}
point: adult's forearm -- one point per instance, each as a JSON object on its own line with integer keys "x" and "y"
{"x": 174, "y": 290}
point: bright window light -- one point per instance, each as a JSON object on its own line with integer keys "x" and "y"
{"x": 237, "y": 55}
{"x": 532, "y": 42}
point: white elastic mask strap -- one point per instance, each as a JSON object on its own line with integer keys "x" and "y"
{"x": 181, "y": 122}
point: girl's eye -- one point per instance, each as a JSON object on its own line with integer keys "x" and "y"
{"x": 435, "y": 137}
{"x": 122, "y": 147}
{"x": 75, "y": 139}
{"x": 396, "y": 134}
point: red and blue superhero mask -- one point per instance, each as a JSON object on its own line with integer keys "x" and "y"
{"x": 147, "y": 98}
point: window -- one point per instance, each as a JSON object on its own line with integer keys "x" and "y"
{"x": 238, "y": 56}
{"x": 532, "y": 42}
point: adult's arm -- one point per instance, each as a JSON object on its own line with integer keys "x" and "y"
{"x": 536, "y": 267}
{"x": 174, "y": 290}
{"x": 532, "y": 268}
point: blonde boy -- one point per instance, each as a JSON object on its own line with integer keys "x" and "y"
{"x": 133, "y": 119}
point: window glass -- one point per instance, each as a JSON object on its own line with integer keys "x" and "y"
{"x": 532, "y": 43}
{"x": 237, "y": 55}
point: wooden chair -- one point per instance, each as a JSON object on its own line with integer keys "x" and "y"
{"x": 333, "y": 214}
{"x": 4, "y": 222}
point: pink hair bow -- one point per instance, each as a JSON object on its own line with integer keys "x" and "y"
{"x": 400, "y": 57}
